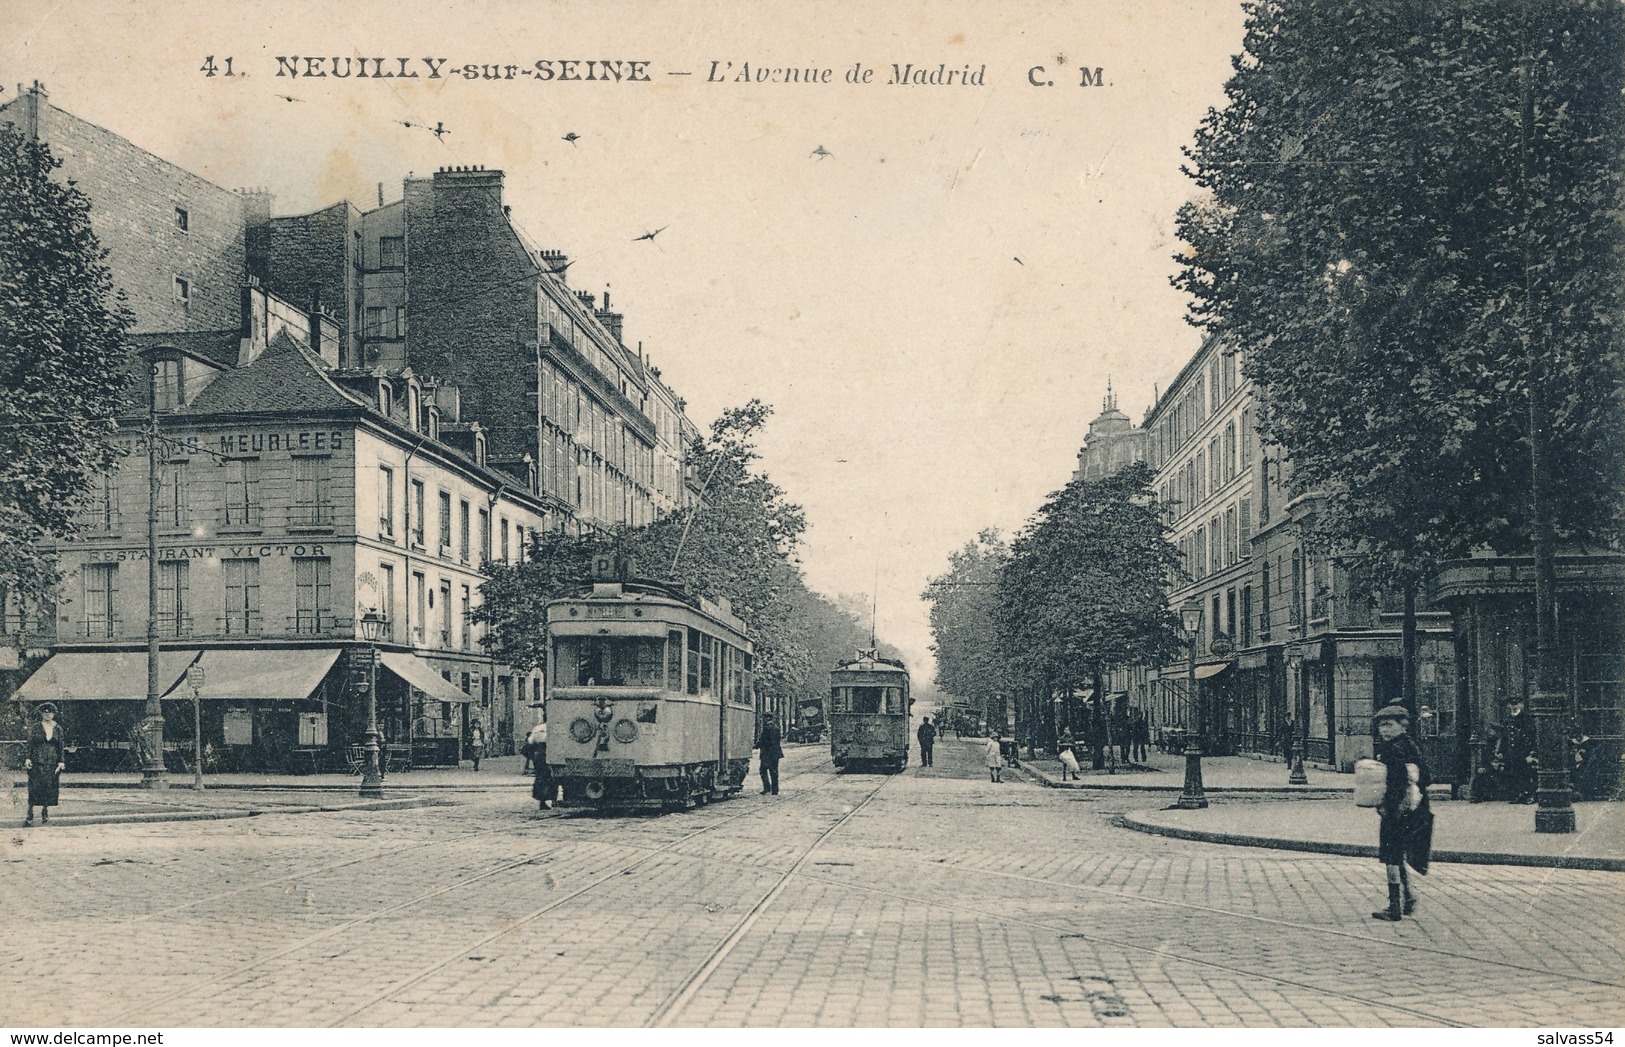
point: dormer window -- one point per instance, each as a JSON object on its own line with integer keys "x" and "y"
{"x": 414, "y": 418}
{"x": 479, "y": 448}
{"x": 434, "y": 422}
{"x": 386, "y": 398}
{"x": 167, "y": 391}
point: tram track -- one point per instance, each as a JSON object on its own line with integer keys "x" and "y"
{"x": 583, "y": 828}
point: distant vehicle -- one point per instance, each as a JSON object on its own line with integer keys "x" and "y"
{"x": 868, "y": 714}
{"x": 651, "y": 700}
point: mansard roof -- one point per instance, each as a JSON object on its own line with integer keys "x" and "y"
{"x": 285, "y": 377}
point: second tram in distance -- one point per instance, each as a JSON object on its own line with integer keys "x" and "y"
{"x": 652, "y": 700}
{"x": 868, "y": 714}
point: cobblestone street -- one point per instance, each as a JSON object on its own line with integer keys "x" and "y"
{"x": 935, "y": 898}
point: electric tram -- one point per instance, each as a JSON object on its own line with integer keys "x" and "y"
{"x": 651, "y": 697}
{"x": 868, "y": 713}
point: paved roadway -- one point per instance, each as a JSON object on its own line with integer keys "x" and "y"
{"x": 934, "y": 898}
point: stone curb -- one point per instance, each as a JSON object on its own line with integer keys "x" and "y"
{"x": 1317, "y": 792}
{"x": 1360, "y": 850}
{"x": 69, "y": 820}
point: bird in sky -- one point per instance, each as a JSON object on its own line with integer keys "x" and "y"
{"x": 556, "y": 270}
{"x": 649, "y": 236}
{"x": 1019, "y": 262}
{"x": 572, "y": 138}
{"x": 290, "y": 98}
{"x": 821, "y": 153}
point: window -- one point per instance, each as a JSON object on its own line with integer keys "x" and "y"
{"x": 485, "y": 535}
{"x": 416, "y": 509}
{"x": 375, "y": 326}
{"x": 312, "y": 505}
{"x": 242, "y": 596}
{"x": 1264, "y": 603}
{"x": 693, "y": 646}
{"x": 172, "y": 514}
{"x": 1215, "y": 623}
{"x": 1201, "y": 552}
{"x": 1296, "y": 607}
{"x": 1245, "y": 536}
{"x": 386, "y": 502}
{"x": 182, "y": 219}
{"x": 674, "y": 660}
{"x": 445, "y": 612}
{"x": 183, "y": 291}
{"x": 504, "y": 532}
{"x": 1231, "y": 548}
{"x": 1215, "y": 466}
{"x": 1199, "y": 488}
{"x": 313, "y": 594}
{"x": 174, "y": 617}
{"x": 391, "y": 252}
{"x": 1230, "y": 451}
{"x": 1247, "y": 437}
{"x": 242, "y": 492}
{"x": 462, "y": 531}
{"x": 445, "y": 523}
{"x": 519, "y": 540}
{"x": 1215, "y": 539}
{"x": 102, "y": 512}
{"x": 166, "y": 385}
{"x": 419, "y": 608}
{"x": 400, "y": 322}
{"x": 1230, "y": 613}
{"x": 619, "y": 661}
{"x": 468, "y": 621}
{"x": 101, "y": 600}
{"x": 1246, "y": 616}
{"x": 386, "y": 595}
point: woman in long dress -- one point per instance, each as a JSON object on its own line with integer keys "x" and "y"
{"x": 43, "y": 761}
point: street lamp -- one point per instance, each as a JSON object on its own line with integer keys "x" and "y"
{"x": 1193, "y": 798}
{"x": 1299, "y": 723}
{"x": 372, "y": 776}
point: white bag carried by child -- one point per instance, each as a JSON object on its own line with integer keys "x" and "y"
{"x": 1370, "y": 783}
{"x": 1070, "y": 762}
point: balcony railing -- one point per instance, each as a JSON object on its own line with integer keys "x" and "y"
{"x": 319, "y": 623}
{"x": 241, "y": 516}
{"x": 241, "y": 623}
{"x": 319, "y": 514}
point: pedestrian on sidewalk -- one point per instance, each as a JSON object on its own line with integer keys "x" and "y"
{"x": 1406, "y": 828}
{"x": 43, "y": 760}
{"x": 927, "y": 735}
{"x": 995, "y": 757}
{"x": 770, "y": 751}
{"x": 476, "y": 743}
{"x": 535, "y": 750}
{"x": 1518, "y": 752}
{"x": 1142, "y": 736}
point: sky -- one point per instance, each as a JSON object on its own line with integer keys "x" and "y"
{"x": 931, "y": 284}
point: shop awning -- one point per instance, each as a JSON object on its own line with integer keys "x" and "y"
{"x": 1207, "y": 672}
{"x": 419, "y": 674}
{"x": 102, "y": 676}
{"x": 285, "y": 674}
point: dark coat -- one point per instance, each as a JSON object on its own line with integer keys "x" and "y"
{"x": 927, "y": 734}
{"x": 770, "y": 743}
{"x": 1404, "y": 834}
{"x": 46, "y": 754}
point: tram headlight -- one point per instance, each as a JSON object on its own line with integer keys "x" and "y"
{"x": 582, "y": 730}
{"x": 625, "y": 731}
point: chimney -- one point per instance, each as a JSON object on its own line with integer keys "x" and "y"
{"x": 380, "y": 194}
{"x": 612, "y": 322}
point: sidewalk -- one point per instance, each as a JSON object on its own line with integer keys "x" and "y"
{"x": 1469, "y": 833}
{"x": 1162, "y": 772}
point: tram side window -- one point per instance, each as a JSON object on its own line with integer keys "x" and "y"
{"x": 674, "y": 660}
{"x": 708, "y": 679}
{"x": 693, "y": 662}
{"x": 610, "y": 661}
{"x": 840, "y": 700}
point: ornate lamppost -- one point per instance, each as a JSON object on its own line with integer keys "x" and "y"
{"x": 1193, "y": 798}
{"x": 1300, "y": 722}
{"x": 372, "y": 775}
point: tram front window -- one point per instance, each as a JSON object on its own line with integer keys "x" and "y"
{"x": 868, "y": 699}
{"x": 611, "y": 661}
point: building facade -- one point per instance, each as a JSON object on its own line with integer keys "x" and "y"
{"x": 293, "y": 497}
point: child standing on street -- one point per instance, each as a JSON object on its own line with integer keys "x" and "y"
{"x": 1406, "y": 829}
{"x": 995, "y": 757}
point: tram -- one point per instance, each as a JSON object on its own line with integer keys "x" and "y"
{"x": 868, "y": 713}
{"x": 651, "y": 697}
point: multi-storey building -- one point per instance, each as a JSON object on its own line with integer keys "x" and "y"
{"x": 293, "y": 497}
{"x": 1112, "y": 443}
{"x": 445, "y": 281}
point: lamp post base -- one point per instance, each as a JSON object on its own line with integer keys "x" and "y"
{"x": 372, "y": 774}
{"x": 1297, "y": 776}
{"x": 1193, "y": 798}
{"x": 153, "y": 774}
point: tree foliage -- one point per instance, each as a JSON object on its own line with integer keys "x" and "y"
{"x": 1412, "y": 225}
{"x": 1085, "y": 589}
{"x": 965, "y": 620}
{"x": 62, "y": 361}
{"x": 738, "y": 543}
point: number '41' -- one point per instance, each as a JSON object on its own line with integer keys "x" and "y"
{"x": 210, "y": 69}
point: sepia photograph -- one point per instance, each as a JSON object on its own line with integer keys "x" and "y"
{"x": 705, "y": 515}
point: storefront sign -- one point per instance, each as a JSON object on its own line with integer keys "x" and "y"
{"x": 206, "y": 552}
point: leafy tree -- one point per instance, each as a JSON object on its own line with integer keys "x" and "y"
{"x": 1085, "y": 589}
{"x": 971, "y": 661}
{"x": 62, "y": 361}
{"x": 1412, "y": 234}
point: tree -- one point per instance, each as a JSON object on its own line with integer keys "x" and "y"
{"x": 964, "y": 622}
{"x": 737, "y": 543}
{"x": 1085, "y": 589}
{"x": 1412, "y": 235}
{"x": 62, "y": 361}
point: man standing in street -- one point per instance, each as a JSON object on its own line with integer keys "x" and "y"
{"x": 771, "y": 751}
{"x": 927, "y": 734}
{"x": 1518, "y": 752}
